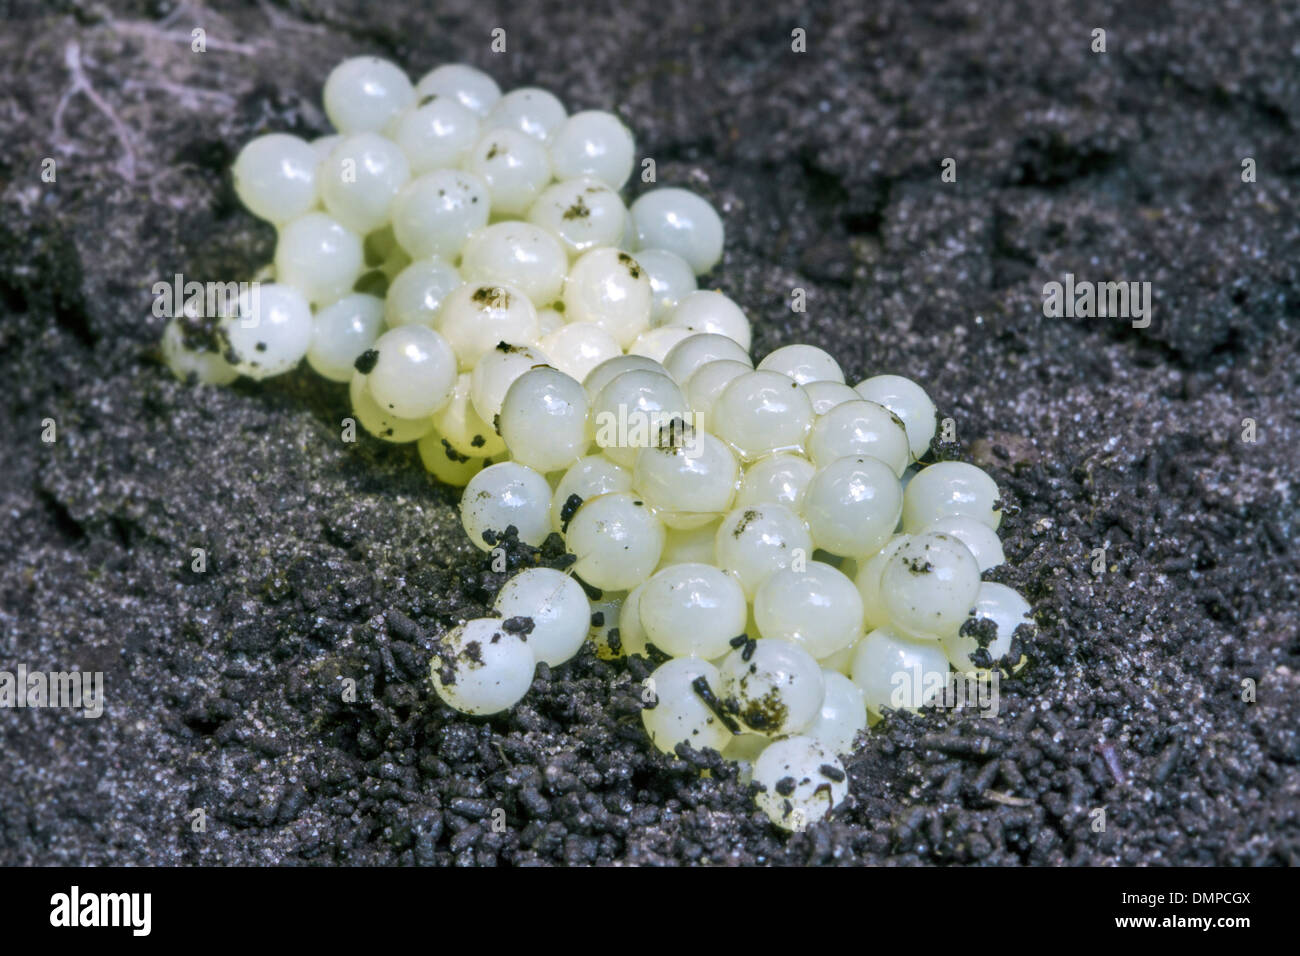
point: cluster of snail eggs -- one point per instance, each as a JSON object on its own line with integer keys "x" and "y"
{"x": 464, "y": 262}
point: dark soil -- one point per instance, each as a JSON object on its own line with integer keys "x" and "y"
{"x": 329, "y": 561}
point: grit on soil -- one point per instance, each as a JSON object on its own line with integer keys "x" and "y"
{"x": 328, "y": 560}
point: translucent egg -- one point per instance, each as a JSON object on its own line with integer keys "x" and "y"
{"x": 804, "y": 364}
{"x": 548, "y": 321}
{"x": 982, "y": 540}
{"x": 413, "y": 373}
{"x": 612, "y": 368}
{"x": 706, "y": 385}
{"x": 689, "y": 479}
{"x": 1006, "y": 609}
{"x": 360, "y": 179}
{"x": 754, "y": 541}
{"x": 593, "y": 143}
{"x": 608, "y": 288}
{"x": 817, "y": 609}
{"x": 581, "y": 213}
{"x": 495, "y": 372}
{"x": 445, "y": 463}
{"x": 515, "y": 167}
{"x": 929, "y": 585}
{"x": 588, "y": 477}
{"x": 898, "y": 672}
{"x": 434, "y": 214}
{"x": 507, "y": 494}
{"x": 319, "y": 257}
{"x": 381, "y": 422}
{"x": 699, "y": 349}
{"x": 682, "y": 223}
{"x": 909, "y": 402}
{"x": 544, "y": 420}
{"x": 275, "y": 177}
{"x": 776, "y": 479}
{"x": 772, "y": 687}
{"x": 868, "y": 581}
{"x": 692, "y": 610}
{"x": 689, "y": 546}
{"x": 671, "y": 279}
{"x": 557, "y": 607}
{"x": 477, "y": 318}
{"x": 364, "y": 94}
{"x": 529, "y": 109}
{"x": 632, "y": 411}
{"x": 207, "y": 367}
{"x": 676, "y": 713}
{"x": 852, "y": 506}
{"x": 577, "y": 348}
{"x": 436, "y": 135}
{"x": 482, "y": 668}
{"x": 657, "y": 343}
{"x": 631, "y": 635}
{"x": 617, "y": 540}
{"x": 416, "y": 294}
{"x": 341, "y": 332}
{"x": 605, "y": 633}
{"x": 269, "y": 332}
{"x": 860, "y": 428}
{"x": 802, "y": 782}
{"x": 950, "y": 488}
{"x": 462, "y": 426}
{"x": 472, "y": 88}
{"x": 517, "y": 254}
{"x": 762, "y": 412}
{"x": 826, "y": 395}
{"x": 708, "y": 311}
{"x": 843, "y": 715}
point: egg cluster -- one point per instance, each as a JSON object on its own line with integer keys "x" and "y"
{"x": 464, "y": 262}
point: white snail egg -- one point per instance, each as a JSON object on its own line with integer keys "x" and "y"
{"x": 517, "y": 254}
{"x": 417, "y": 292}
{"x": 756, "y": 540}
{"x": 1006, "y": 609}
{"x": 689, "y": 477}
{"x": 581, "y": 213}
{"x": 506, "y": 494}
{"x": 762, "y": 412}
{"x": 860, "y": 428}
{"x": 577, "y": 348}
{"x": 341, "y": 332}
{"x": 275, "y": 177}
{"x": 804, "y": 364}
{"x": 898, "y": 672}
{"x": 706, "y": 310}
{"x": 675, "y": 712}
{"x": 852, "y": 506}
{"x": 495, "y": 372}
{"x": 776, "y": 479}
{"x": 543, "y": 419}
{"x": 929, "y": 585}
{"x": 817, "y": 609}
{"x": 269, "y": 332}
{"x": 609, "y": 288}
{"x": 950, "y": 488}
{"x": 318, "y": 256}
{"x": 481, "y": 668}
{"x": 434, "y": 214}
{"x": 477, "y": 318}
{"x": 698, "y": 349}
{"x": 692, "y": 610}
{"x": 772, "y": 687}
{"x": 365, "y": 94}
{"x": 908, "y": 401}
{"x": 802, "y": 782}
{"x": 414, "y": 372}
{"x": 843, "y": 714}
{"x": 617, "y": 540}
{"x": 586, "y": 478}
{"x": 557, "y": 607}
{"x": 681, "y": 222}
